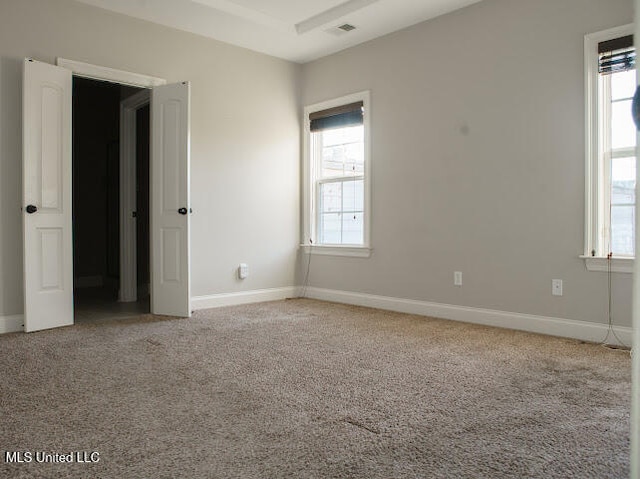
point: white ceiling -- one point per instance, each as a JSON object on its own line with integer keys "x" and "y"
{"x": 296, "y": 30}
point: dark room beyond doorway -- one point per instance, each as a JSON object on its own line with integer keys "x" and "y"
{"x": 96, "y": 201}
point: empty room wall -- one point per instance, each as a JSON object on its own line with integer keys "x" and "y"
{"x": 477, "y": 121}
{"x": 244, "y": 137}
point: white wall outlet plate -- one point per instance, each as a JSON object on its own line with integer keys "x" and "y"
{"x": 457, "y": 278}
{"x": 243, "y": 271}
{"x": 556, "y": 287}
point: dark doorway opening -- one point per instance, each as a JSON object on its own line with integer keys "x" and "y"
{"x": 96, "y": 201}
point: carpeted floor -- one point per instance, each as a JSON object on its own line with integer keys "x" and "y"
{"x": 306, "y": 389}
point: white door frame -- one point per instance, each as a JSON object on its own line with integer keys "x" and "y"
{"x": 128, "y": 194}
{"x": 128, "y": 108}
{"x": 96, "y": 72}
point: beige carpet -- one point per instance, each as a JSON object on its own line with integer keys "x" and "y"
{"x": 306, "y": 389}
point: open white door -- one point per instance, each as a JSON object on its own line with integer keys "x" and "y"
{"x": 170, "y": 258}
{"x": 48, "y": 261}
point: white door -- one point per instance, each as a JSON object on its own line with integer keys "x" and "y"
{"x": 48, "y": 262}
{"x": 170, "y": 264}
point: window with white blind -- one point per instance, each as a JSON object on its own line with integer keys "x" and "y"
{"x": 337, "y": 166}
{"x": 611, "y": 149}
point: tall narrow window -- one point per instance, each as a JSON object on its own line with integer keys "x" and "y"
{"x": 611, "y": 145}
{"x": 617, "y": 74}
{"x": 338, "y": 173}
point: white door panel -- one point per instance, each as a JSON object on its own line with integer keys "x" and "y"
{"x": 48, "y": 262}
{"x": 170, "y": 283}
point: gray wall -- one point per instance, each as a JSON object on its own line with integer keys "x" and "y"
{"x": 244, "y": 137}
{"x": 478, "y": 151}
{"x": 478, "y": 159}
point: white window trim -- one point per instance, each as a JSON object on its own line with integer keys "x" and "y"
{"x": 599, "y": 263}
{"x": 592, "y": 148}
{"x": 308, "y": 203}
{"x": 337, "y": 250}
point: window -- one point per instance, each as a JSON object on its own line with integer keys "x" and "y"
{"x": 611, "y": 148}
{"x": 337, "y": 176}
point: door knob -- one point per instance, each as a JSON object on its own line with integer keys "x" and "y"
{"x": 182, "y": 211}
{"x": 31, "y": 209}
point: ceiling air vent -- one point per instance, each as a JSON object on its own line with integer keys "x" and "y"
{"x": 340, "y": 30}
{"x": 347, "y": 27}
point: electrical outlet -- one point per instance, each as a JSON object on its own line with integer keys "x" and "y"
{"x": 457, "y": 278}
{"x": 243, "y": 271}
{"x": 556, "y": 287}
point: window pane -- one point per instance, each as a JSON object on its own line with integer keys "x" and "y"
{"x": 330, "y": 197}
{"x": 341, "y": 212}
{"x": 343, "y": 152}
{"x": 332, "y": 161}
{"x": 353, "y": 228}
{"x": 351, "y": 134}
{"x": 623, "y": 85}
{"x": 343, "y": 160}
{"x": 622, "y": 230}
{"x": 339, "y": 157}
{"x": 623, "y": 181}
{"x": 330, "y": 228}
{"x": 623, "y": 131}
{"x": 354, "y": 159}
{"x": 353, "y": 195}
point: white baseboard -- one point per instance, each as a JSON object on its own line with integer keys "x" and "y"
{"x": 243, "y": 297}
{"x": 11, "y": 324}
{"x": 568, "y": 328}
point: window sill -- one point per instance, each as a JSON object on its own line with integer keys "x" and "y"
{"x": 601, "y": 263}
{"x": 353, "y": 251}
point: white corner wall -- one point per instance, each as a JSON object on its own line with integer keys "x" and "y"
{"x": 478, "y": 161}
{"x": 244, "y": 138}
